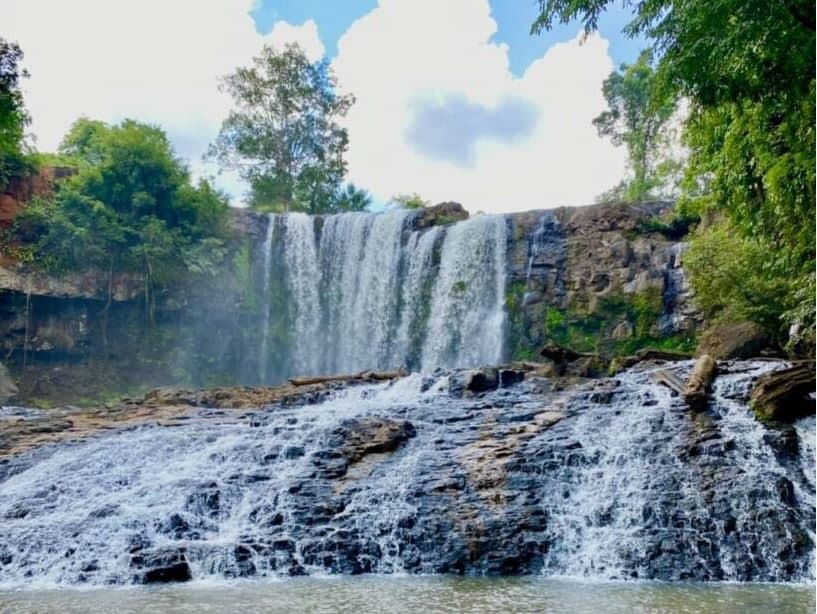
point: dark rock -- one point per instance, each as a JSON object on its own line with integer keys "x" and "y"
{"x": 509, "y": 377}
{"x": 442, "y": 213}
{"x": 482, "y": 380}
{"x": 162, "y": 566}
{"x": 785, "y": 395}
{"x": 725, "y": 341}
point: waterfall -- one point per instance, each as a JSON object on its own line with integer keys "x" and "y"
{"x": 466, "y": 322}
{"x": 266, "y": 251}
{"x": 368, "y": 291}
{"x": 301, "y": 257}
{"x": 613, "y": 479}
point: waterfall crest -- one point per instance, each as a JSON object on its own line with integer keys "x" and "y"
{"x": 370, "y": 291}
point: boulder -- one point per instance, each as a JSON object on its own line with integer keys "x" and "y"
{"x": 726, "y": 341}
{"x": 785, "y": 395}
{"x": 358, "y": 437}
{"x": 482, "y": 380}
{"x": 441, "y": 213}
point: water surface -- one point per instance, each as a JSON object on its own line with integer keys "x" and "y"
{"x": 421, "y": 594}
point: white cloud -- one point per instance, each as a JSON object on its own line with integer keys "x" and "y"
{"x": 160, "y": 61}
{"x": 396, "y": 55}
{"x": 152, "y": 60}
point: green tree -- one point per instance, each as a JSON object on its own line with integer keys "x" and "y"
{"x": 283, "y": 137}
{"x": 130, "y": 206}
{"x": 747, "y": 68}
{"x": 636, "y": 117}
{"x": 352, "y": 198}
{"x": 410, "y": 201}
{"x": 13, "y": 115}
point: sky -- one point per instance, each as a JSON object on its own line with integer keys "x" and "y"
{"x": 455, "y": 99}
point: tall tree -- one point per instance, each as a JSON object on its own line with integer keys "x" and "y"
{"x": 283, "y": 136}
{"x": 13, "y": 114}
{"x": 636, "y": 117}
{"x": 747, "y": 68}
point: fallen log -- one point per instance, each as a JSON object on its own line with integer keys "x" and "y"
{"x": 696, "y": 390}
{"x": 368, "y": 376}
{"x": 785, "y": 395}
{"x": 668, "y": 379}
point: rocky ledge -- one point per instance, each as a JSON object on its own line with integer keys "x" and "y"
{"x": 487, "y": 471}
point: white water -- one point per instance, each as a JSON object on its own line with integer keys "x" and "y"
{"x": 370, "y": 293}
{"x": 265, "y": 308}
{"x": 304, "y": 272}
{"x": 612, "y": 478}
{"x": 466, "y": 322}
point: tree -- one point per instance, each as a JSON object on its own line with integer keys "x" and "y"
{"x": 352, "y": 198}
{"x": 13, "y": 115}
{"x": 283, "y": 137}
{"x": 410, "y": 201}
{"x": 636, "y": 117}
{"x": 747, "y": 68}
{"x": 130, "y": 206}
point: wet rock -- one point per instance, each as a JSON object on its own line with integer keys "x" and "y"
{"x": 482, "y": 380}
{"x": 785, "y": 395}
{"x": 161, "y": 566}
{"x": 357, "y": 437}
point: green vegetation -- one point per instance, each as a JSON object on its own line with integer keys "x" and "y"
{"x": 410, "y": 201}
{"x": 746, "y": 69}
{"x": 13, "y": 115}
{"x": 129, "y": 207}
{"x": 637, "y": 118}
{"x": 591, "y": 329}
{"x": 283, "y": 137}
{"x": 673, "y": 227}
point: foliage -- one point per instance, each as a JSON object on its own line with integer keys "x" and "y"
{"x": 636, "y": 117}
{"x": 283, "y": 136}
{"x": 674, "y": 227}
{"x": 747, "y": 68}
{"x": 734, "y": 278}
{"x": 410, "y": 201}
{"x": 130, "y": 207}
{"x": 352, "y": 198}
{"x": 13, "y": 115}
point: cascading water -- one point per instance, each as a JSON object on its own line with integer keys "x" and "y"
{"x": 301, "y": 258}
{"x": 466, "y": 323}
{"x": 265, "y": 309}
{"x": 369, "y": 292}
{"x": 615, "y": 479}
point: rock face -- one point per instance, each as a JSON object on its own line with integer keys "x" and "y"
{"x": 586, "y": 278}
{"x": 589, "y": 278}
{"x": 610, "y": 479}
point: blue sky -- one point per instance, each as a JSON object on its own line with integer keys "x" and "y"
{"x": 455, "y": 100}
{"x": 513, "y": 17}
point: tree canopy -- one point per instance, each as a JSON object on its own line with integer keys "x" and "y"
{"x": 13, "y": 115}
{"x": 131, "y": 206}
{"x": 747, "y": 68}
{"x": 283, "y": 136}
{"x": 636, "y": 117}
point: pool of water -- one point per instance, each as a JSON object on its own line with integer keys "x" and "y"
{"x": 420, "y": 594}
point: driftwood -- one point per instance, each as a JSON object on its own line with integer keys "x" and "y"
{"x": 668, "y": 379}
{"x": 784, "y": 395}
{"x": 696, "y": 391}
{"x": 367, "y": 376}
